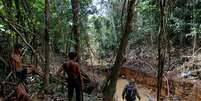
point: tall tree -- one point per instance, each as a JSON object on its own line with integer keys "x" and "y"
{"x": 47, "y": 45}
{"x": 110, "y": 87}
{"x": 18, "y": 16}
{"x": 161, "y": 48}
{"x": 76, "y": 29}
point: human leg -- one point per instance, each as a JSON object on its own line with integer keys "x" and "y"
{"x": 78, "y": 93}
{"x": 21, "y": 93}
{"x": 70, "y": 92}
{"x": 22, "y": 74}
{"x": 130, "y": 99}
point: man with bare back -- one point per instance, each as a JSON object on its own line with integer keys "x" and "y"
{"x": 74, "y": 79}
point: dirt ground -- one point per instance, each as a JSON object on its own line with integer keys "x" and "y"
{"x": 144, "y": 92}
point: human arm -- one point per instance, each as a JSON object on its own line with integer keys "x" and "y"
{"x": 138, "y": 96}
{"x": 79, "y": 72}
{"x": 18, "y": 59}
{"x": 59, "y": 72}
{"x": 123, "y": 93}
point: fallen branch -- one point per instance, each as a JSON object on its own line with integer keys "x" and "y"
{"x": 8, "y": 75}
{"x": 91, "y": 57}
{"x": 196, "y": 51}
{"x": 9, "y": 83}
{"x": 90, "y": 49}
{"x": 4, "y": 61}
{"x": 168, "y": 86}
{"x": 149, "y": 64}
{"x": 58, "y": 80}
{"x": 9, "y": 95}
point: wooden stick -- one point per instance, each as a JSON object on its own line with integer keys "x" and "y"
{"x": 8, "y": 75}
{"x": 9, "y": 83}
{"x": 4, "y": 61}
{"x": 8, "y": 96}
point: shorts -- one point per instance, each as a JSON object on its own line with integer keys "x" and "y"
{"x": 22, "y": 74}
{"x": 130, "y": 99}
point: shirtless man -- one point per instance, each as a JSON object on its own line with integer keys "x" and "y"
{"x": 21, "y": 69}
{"x": 21, "y": 93}
{"x": 74, "y": 79}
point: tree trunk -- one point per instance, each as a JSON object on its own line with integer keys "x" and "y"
{"x": 161, "y": 48}
{"x": 18, "y": 16}
{"x": 47, "y": 45}
{"x": 110, "y": 88}
{"x": 29, "y": 13}
{"x": 76, "y": 29}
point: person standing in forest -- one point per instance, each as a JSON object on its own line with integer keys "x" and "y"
{"x": 74, "y": 79}
{"x": 130, "y": 92}
{"x": 22, "y": 70}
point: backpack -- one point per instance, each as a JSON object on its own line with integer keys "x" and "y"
{"x": 131, "y": 91}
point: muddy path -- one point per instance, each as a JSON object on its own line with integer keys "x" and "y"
{"x": 185, "y": 90}
{"x": 143, "y": 91}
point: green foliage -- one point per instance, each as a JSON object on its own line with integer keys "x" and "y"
{"x": 101, "y": 31}
{"x": 103, "y": 35}
{"x": 184, "y": 20}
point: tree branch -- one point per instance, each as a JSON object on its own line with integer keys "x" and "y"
{"x": 3, "y": 60}
{"x": 25, "y": 41}
{"x": 39, "y": 57}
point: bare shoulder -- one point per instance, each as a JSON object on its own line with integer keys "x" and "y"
{"x": 76, "y": 64}
{"x": 15, "y": 57}
{"x": 73, "y": 63}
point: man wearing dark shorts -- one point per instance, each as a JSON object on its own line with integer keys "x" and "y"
{"x": 22, "y": 71}
{"x": 16, "y": 60}
{"x": 74, "y": 79}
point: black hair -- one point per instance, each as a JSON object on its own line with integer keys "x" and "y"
{"x": 72, "y": 55}
{"x": 18, "y": 46}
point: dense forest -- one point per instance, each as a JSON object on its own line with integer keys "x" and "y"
{"x": 105, "y": 45}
